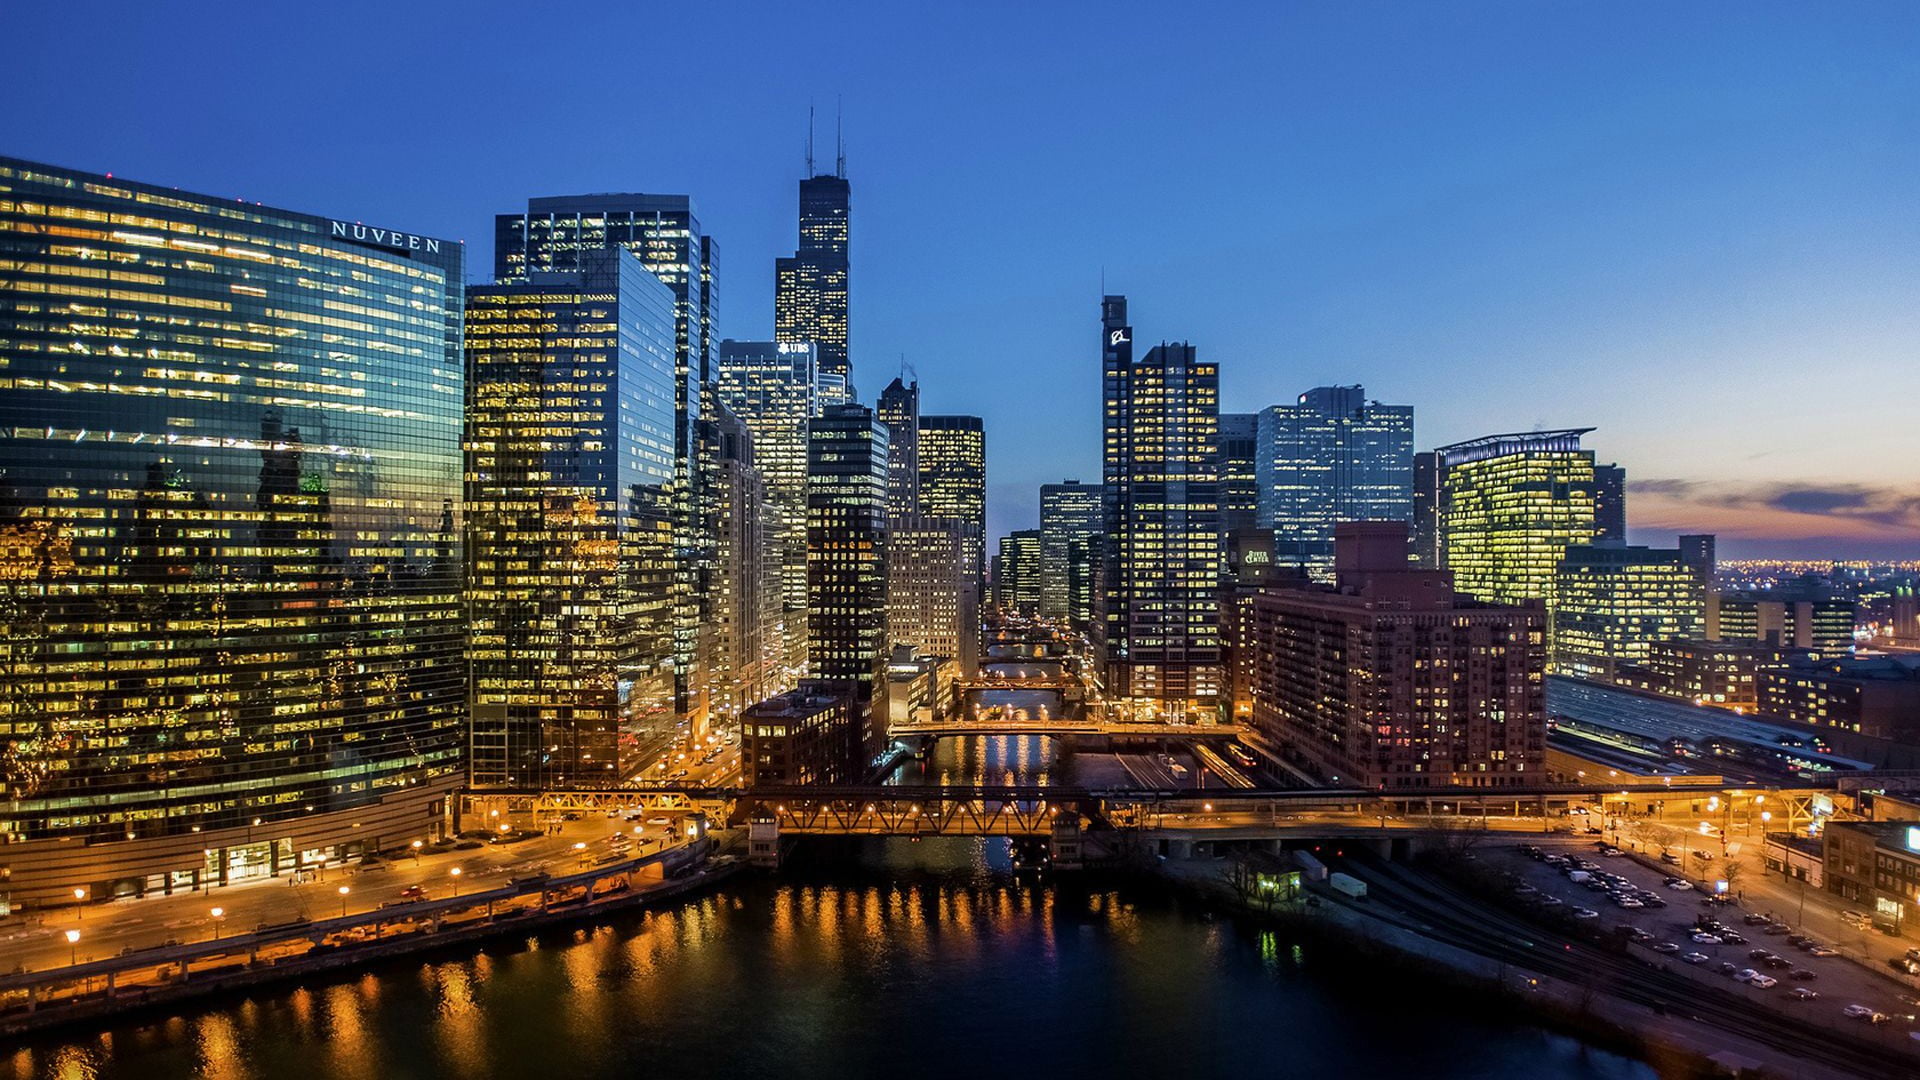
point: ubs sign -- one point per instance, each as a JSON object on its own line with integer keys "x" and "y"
{"x": 386, "y": 238}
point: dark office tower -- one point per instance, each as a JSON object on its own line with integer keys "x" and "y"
{"x": 664, "y": 233}
{"x": 1331, "y": 456}
{"x": 1609, "y": 504}
{"x": 899, "y": 409}
{"x": 810, "y": 289}
{"x": 847, "y": 556}
{"x": 1426, "y": 510}
{"x": 230, "y": 553}
{"x": 1159, "y": 642}
{"x": 1239, "y": 485}
{"x": 1697, "y": 551}
{"x": 953, "y": 479}
{"x": 1083, "y": 561}
{"x": 570, "y": 478}
{"x": 1070, "y": 513}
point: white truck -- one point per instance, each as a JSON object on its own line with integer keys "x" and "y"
{"x": 1310, "y": 868}
{"x": 1348, "y": 886}
{"x": 1579, "y": 877}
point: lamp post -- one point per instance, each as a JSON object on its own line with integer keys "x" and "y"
{"x": 79, "y": 904}
{"x": 416, "y": 851}
{"x": 343, "y": 901}
{"x": 218, "y": 914}
{"x": 455, "y": 874}
{"x": 73, "y": 947}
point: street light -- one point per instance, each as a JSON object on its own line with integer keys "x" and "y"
{"x": 218, "y": 914}
{"x": 343, "y": 901}
{"x": 455, "y": 873}
{"x": 79, "y": 902}
{"x": 416, "y": 850}
{"x": 73, "y": 947}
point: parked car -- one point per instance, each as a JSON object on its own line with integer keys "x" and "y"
{"x": 414, "y": 892}
{"x": 1804, "y": 993}
{"x": 1764, "y": 981}
{"x": 1695, "y": 958}
{"x": 1666, "y": 948}
{"x": 1904, "y": 966}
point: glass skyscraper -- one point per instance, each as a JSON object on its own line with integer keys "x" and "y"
{"x": 810, "y": 288}
{"x": 570, "y": 476}
{"x": 1329, "y": 457}
{"x": 847, "y": 555}
{"x": 772, "y": 389}
{"x": 953, "y": 481}
{"x": 1239, "y": 472}
{"x": 229, "y": 536}
{"x": 1511, "y": 505}
{"x": 1611, "y": 603}
{"x": 1070, "y": 512}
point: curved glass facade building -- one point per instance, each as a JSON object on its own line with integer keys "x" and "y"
{"x": 231, "y": 622}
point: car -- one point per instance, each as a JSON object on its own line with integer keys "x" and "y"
{"x": 1651, "y": 900}
{"x": 1745, "y": 975}
{"x": 1775, "y": 929}
{"x": 1728, "y": 967}
{"x": 1795, "y": 939}
{"x": 659, "y": 821}
{"x": 1705, "y": 939}
{"x": 1613, "y": 853}
{"x": 1524, "y": 889}
{"x": 1732, "y": 938}
{"x": 1695, "y": 958}
{"x": 1804, "y": 993}
{"x": 414, "y": 892}
{"x": 1804, "y": 944}
{"x": 1777, "y": 962}
{"x": 1669, "y": 858}
{"x": 1755, "y": 919}
{"x": 1903, "y": 965}
{"x": 1596, "y": 885}
{"x": 1666, "y": 948}
{"x": 1823, "y": 950}
{"x": 1763, "y": 981}
{"x": 1630, "y": 902}
{"x": 1759, "y": 954}
{"x": 1585, "y": 913}
{"x": 1857, "y": 1012}
{"x": 1703, "y": 856}
{"x": 1802, "y": 974}
{"x": 1551, "y": 901}
{"x": 1913, "y": 954}
{"x": 1634, "y": 933}
{"x": 1680, "y": 886}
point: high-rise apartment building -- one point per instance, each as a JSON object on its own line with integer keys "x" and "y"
{"x": 1158, "y": 635}
{"x": 953, "y": 479}
{"x": 569, "y": 485}
{"x": 1511, "y": 505}
{"x": 810, "y": 288}
{"x": 847, "y": 557}
{"x": 1611, "y": 603}
{"x": 1239, "y": 470}
{"x": 933, "y": 599}
{"x": 231, "y": 623}
{"x": 1609, "y": 504}
{"x": 1329, "y": 457}
{"x": 745, "y": 625}
{"x": 1070, "y": 513}
{"x": 899, "y": 409}
{"x": 771, "y": 387}
{"x": 1390, "y": 680}
{"x": 1016, "y": 573}
{"x": 1697, "y": 550}
{"x": 559, "y": 234}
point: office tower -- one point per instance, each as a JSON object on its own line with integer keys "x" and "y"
{"x": 1239, "y": 471}
{"x": 1430, "y": 689}
{"x": 1426, "y": 510}
{"x": 1609, "y": 504}
{"x": 1158, "y": 637}
{"x": 1070, "y": 513}
{"x": 559, "y": 234}
{"x": 812, "y": 734}
{"x": 1331, "y": 456}
{"x": 1697, "y": 551}
{"x": 771, "y": 388}
{"x": 1611, "y": 603}
{"x": 231, "y": 626}
{"x": 847, "y": 557}
{"x": 570, "y": 523}
{"x": 1798, "y": 620}
{"x": 899, "y": 409}
{"x": 933, "y": 598}
{"x": 953, "y": 478}
{"x": 1016, "y": 577}
{"x": 745, "y": 626}
{"x": 1083, "y": 561}
{"x": 1511, "y": 505}
{"x": 810, "y": 289}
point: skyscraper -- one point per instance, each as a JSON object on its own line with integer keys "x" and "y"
{"x": 570, "y": 522}
{"x": 231, "y": 625}
{"x": 1426, "y": 510}
{"x": 1329, "y": 457}
{"x": 1070, "y": 513}
{"x": 745, "y": 625}
{"x": 1612, "y": 602}
{"x": 810, "y": 289}
{"x": 1016, "y": 580}
{"x": 664, "y": 233}
{"x": 847, "y": 556}
{"x": 1511, "y": 505}
{"x": 1239, "y": 471}
{"x": 771, "y": 388}
{"x": 899, "y": 409}
{"x": 933, "y": 598}
{"x": 1697, "y": 551}
{"x": 953, "y": 478}
{"x": 1158, "y": 640}
{"x": 1609, "y": 504}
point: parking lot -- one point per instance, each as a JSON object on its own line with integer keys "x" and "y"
{"x": 1728, "y": 949}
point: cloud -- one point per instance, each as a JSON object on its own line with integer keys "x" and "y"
{"x": 1851, "y": 514}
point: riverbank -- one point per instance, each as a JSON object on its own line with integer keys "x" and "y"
{"x": 117, "y": 1002}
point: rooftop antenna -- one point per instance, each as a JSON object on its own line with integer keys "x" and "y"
{"x": 840, "y": 144}
{"x": 809, "y": 138}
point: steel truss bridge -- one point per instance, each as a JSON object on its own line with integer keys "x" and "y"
{"x": 972, "y": 810}
{"x": 1057, "y": 726}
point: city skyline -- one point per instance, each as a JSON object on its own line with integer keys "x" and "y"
{"x": 1438, "y": 203}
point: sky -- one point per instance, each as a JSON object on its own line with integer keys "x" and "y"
{"x": 1693, "y": 227}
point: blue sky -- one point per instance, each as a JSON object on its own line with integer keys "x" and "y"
{"x": 1695, "y": 227}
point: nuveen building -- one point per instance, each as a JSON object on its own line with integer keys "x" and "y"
{"x": 230, "y": 565}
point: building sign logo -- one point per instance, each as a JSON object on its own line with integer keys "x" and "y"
{"x": 1117, "y": 337}
{"x": 387, "y": 238}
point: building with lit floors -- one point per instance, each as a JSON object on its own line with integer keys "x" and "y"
{"x": 1724, "y": 673}
{"x": 953, "y": 478}
{"x": 231, "y": 622}
{"x": 1611, "y": 603}
{"x": 1426, "y": 510}
{"x": 1609, "y": 504}
{"x": 1874, "y": 696}
{"x": 847, "y": 559}
{"x": 1511, "y": 505}
{"x": 899, "y": 409}
{"x": 1330, "y": 456}
{"x": 1070, "y": 512}
{"x": 1389, "y": 679}
{"x": 1016, "y": 574}
{"x": 933, "y": 599}
{"x": 1239, "y": 470}
{"x": 771, "y": 387}
{"x": 1157, "y": 637}
{"x": 570, "y": 524}
{"x": 812, "y": 734}
{"x": 810, "y": 289}
{"x": 744, "y": 631}
{"x": 1796, "y": 621}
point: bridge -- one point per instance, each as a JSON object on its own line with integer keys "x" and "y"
{"x": 1062, "y": 726}
{"x": 1058, "y": 683}
{"x": 952, "y": 810}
